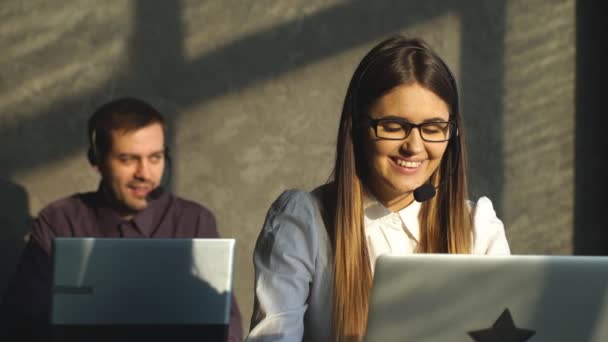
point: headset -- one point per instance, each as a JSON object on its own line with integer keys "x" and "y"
{"x": 92, "y": 154}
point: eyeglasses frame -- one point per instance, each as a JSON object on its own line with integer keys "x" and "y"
{"x": 374, "y": 124}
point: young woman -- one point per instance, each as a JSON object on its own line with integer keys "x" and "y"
{"x": 399, "y": 187}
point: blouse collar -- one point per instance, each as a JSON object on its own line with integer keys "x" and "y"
{"x": 375, "y": 212}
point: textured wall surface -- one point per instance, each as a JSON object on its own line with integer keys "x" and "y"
{"x": 539, "y": 122}
{"x": 253, "y": 92}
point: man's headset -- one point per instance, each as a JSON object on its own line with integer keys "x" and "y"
{"x": 95, "y": 159}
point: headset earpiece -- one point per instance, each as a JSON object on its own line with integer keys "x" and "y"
{"x": 92, "y": 154}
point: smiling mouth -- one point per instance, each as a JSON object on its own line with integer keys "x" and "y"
{"x": 140, "y": 191}
{"x": 408, "y": 163}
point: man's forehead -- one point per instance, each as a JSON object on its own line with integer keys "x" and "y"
{"x": 154, "y": 126}
{"x": 149, "y": 137}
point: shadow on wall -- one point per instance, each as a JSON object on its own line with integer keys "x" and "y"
{"x": 15, "y": 222}
{"x": 158, "y": 70}
{"x": 591, "y": 184}
{"x": 481, "y": 92}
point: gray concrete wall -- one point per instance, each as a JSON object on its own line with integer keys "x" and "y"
{"x": 253, "y": 91}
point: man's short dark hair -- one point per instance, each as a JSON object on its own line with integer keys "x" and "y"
{"x": 124, "y": 114}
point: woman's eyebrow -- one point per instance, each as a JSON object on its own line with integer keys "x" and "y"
{"x": 437, "y": 118}
{"x": 400, "y": 118}
{"x": 392, "y": 117}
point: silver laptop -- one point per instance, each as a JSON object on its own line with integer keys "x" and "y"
{"x": 136, "y": 284}
{"x": 432, "y": 297}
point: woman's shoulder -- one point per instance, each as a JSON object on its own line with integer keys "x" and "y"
{"x": 297, "y": 205}
{"x": 294, "y": 200}
{"x": 483, "y": 214}
{"x": 293, "y": 226}
{"x": 483, "y": 206}
{"x": 489, "y": 230}
{"x": 299, "y": 199}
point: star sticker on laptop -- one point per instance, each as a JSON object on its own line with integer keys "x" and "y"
{"x": 503, "y": 330}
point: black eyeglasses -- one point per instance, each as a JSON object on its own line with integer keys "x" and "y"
{"x": 399, "y": 129}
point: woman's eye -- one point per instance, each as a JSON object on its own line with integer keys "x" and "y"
{"x": 391, "y": 126}
{"x": 431, "y": 130}
{"x": 434, "y": 128}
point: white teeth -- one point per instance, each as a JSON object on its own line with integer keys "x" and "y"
{"x": 411, "y": 164}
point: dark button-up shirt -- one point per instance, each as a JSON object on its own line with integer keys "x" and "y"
{"x": 27, "y": 299}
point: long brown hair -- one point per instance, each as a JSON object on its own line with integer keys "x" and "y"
{"x": 445, "y": 222}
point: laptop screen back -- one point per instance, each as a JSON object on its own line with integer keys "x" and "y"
{"x": 119, "y": 282}
{"x": 428, "y": 297}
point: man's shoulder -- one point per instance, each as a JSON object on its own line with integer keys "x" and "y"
{"x": 188, "y": 213}
{"x": 69, "y": 204}
{"x": 189, "y": 206}
{"x": 60, "y": 217}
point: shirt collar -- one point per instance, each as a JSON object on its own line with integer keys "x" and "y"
{"x": 374, "y": 211}
{"x": 145, "y": 221}
{"x": 409, "y": 217}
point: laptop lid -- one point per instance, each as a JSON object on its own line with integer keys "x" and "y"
{"x": 432, "y": 297}
{"x": 142, "y": 282}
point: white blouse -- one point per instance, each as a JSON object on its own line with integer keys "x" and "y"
{"x": 398, "y": 232}
{"x": 294, "y": 267}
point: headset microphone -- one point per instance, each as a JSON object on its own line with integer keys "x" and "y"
{"x": 424, "y": 192}
{"x": 155, "y": 194}
{"x": 427, "y": 191}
